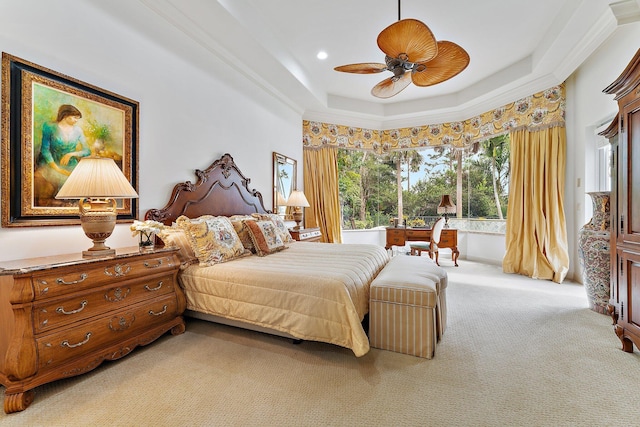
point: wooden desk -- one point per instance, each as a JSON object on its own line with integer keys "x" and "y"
{"x": 448, "y": 239}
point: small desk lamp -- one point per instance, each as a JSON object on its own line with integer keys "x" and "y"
{"x": 297, "y": 200}
{"x": 97, "y": 181}
{"x": 447, "y": 208}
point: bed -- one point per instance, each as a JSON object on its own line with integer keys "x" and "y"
{"x": 307, "y": 291}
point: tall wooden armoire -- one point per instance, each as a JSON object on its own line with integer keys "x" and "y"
{"x": 624, "y": 134}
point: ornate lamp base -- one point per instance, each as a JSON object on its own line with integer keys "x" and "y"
{"x": 98, "y": 219}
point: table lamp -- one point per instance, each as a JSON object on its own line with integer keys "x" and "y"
{"x": 297, "y": 200}
{"x": 97, "y": 181}
{"x": 447, "y": 208}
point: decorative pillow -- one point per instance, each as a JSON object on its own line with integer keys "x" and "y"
{"x": 281, "y": 227}
{"x": 174, "y": 236}
{"x": 265, "y": 237}
{"x": 241, "y": 231}
{"x": 213, "y": 239}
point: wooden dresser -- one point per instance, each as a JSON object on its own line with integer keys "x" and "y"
{"x": 624, "y": 133}
{"x": 398, "y": 236}
{"x": 306, "y": 234}
{"x": 62, "y": 316}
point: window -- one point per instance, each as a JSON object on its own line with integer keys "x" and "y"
{"x": 603, "y": 164}
{"x": 476, "y": 179}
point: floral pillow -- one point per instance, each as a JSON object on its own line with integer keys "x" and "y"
{"x": 242, "y": 232}
{"x": 213, "y": 239}
{"x": 281, "y": 227}
{"x": 174, "y": 236}
{"x": 265, "y": 237}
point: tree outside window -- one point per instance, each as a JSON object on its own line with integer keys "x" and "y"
{"x": 409, "y": 184}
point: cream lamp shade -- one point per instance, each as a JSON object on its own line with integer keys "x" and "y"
{"x": 97, "y": 181}
{"x": 297, "y": 200}
{"x": 447, "y": 208}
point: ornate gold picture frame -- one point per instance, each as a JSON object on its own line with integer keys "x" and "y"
{"x": 49, "y": 122}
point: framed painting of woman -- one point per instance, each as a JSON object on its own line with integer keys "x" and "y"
{"x": 49, "y": 123}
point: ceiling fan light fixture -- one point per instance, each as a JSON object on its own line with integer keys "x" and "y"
{"x": 412, "y": 54}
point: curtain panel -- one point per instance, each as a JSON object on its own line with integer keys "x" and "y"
{"x": 536, "y": 236}
{"x": 321, "y": 188}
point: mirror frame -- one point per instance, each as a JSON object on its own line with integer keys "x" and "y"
{"x": 283, "y": 166}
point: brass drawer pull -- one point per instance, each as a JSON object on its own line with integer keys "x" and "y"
{"x": 83, "y": 304}
{"x": 82, "y": 278}
{"x": 118, "y": 324}
{"x": 65, "y": 343}
{"x": 118, "y": 270}
{"x": 157, "y": 288}
{"x": 164, "y": 310}
{"x": 156, "y": 265}
{"x": 118, "y": 295}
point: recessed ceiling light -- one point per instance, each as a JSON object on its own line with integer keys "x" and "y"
{"x": 322, "y": 55}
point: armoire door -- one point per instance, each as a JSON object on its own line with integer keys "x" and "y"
{"x": 629, "y": 145}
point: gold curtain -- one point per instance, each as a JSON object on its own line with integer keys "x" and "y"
{"x": 536, "y": 236}
{"x": 321, "y": 188}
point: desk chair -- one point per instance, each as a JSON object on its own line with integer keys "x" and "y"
{"x": 432, "y": 245}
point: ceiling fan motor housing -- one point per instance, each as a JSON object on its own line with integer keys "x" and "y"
{"x": 398, "y": 66}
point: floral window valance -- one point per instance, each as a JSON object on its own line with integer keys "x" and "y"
{"x": 539, "y": 111}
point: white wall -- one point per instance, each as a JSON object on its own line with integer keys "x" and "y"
{"x": 189, "y": 115}
{"x": 372, "y": 236}
{"x": 587, "y": 108}
{"x": 488, "y": 248}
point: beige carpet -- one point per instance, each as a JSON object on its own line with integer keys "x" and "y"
{"x": 517, "y": 352}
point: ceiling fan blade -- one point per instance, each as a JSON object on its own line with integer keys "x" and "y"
{"x": 362, "y": 68}
{"x": 410, "y": 37}
{"x": 450, "y": 61}
{"x": 391, "y": 86}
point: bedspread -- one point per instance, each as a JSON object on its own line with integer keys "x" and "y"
{"x": 312, "y": 291}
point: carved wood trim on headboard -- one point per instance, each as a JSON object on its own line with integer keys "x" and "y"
{"x": 221, "y": 189}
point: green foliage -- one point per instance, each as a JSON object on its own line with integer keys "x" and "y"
{"x": 416, "y": 222}
{"x": 367, "y": 194}
{"x": 368, "y": 183}
{"x": 98, "y": 131}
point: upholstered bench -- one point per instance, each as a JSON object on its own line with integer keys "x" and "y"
{"x": 425, "y": 267}
{"x": 407, "y": 306}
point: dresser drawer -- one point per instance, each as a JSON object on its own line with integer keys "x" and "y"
{"x": 398, "y": 241}
{"x": 65, "y": 280}
{"x": 448, "y": 238}
{"x": 74, "y": 342}
{"x": 310, "y": 234}
{"x": 395, "y": 236}
{"x": 446, "y": 241}
{"x": 419, "y": 235}
{"x": 64, "y": 311}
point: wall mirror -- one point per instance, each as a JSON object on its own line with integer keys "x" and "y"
{"x": 284, "y": 182}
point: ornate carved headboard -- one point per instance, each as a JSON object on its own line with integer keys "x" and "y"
{"x": 221, "y": 189}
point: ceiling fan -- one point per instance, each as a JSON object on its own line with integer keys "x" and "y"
{"x": 412, "y": 54}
